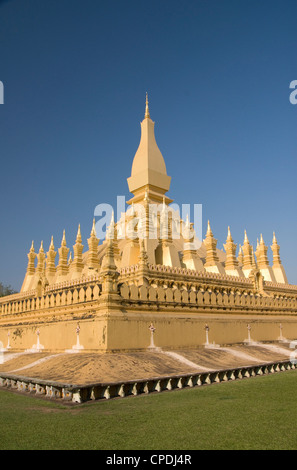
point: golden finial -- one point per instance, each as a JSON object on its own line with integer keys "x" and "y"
{"x": 209, "y": 232}
{"x": 51, "y": 247}
{"x": 78, "y": 236}
{"x": 253, "y": 258}
{"x": 63, "y": 243}
{"x": 147, "y": 112}
{"x": 93, "y": 231}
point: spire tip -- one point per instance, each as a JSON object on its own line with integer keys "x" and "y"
{"x": 147, "y": 112}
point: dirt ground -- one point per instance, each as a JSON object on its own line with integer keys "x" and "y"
{"x": 84, "y": 368}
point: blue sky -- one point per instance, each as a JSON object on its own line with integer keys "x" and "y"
{"x": 75, "y": 75}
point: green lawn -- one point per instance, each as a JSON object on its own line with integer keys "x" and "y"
{"x": 256, "y": 413}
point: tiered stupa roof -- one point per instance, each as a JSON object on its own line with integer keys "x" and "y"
{"x": 154, "y": 228}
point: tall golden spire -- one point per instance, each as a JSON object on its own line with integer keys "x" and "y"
{"x": 93, "y": 231}
{"x": 62, "y": 268}
{"x": 31, "y": 260}
{"x": 212, "y": 262}
{"x": 278, "y": 269}
{"x": 254, "y": 263}
{"x": 93, "y": 242}
{"x": 77, "y": 262}
{"x": 112, "y": 232}
{"x": 109, "y": 274}
{"x": 247, "y": 253}
{"x": 275, "y": 251}
{"x": 190, "y": 258}
{"x": 143, "y": 258}
{"x": 78, "y": 236}
{"x": 50, "y": 259}
{"x": 240, "y": 255}
{"x": 147, "y": 112}
{"x": 148, "y": 171}
{"x": 209, "y": 231}
{"x": 262, "y": 254}
{"x": 41, "y": 260}
{"x": 211, "y": 248}
{"x": 231, "y": 262}
{"x": 108, "y": 263}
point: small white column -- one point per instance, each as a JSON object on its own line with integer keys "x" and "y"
{"x": 152, "y": 346}
{"x": 8, "y": 341}
{"x": 77, "y": 347}
{"x": 152, "y": 330}
{"x": 206, "y": 334}
{"x": 249, "y": 341}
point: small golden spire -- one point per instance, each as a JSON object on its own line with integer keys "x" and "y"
{"x": 50, "y": 259}
{"x": 275, "y": 250}
{"x": 110, "y": 232}
{"x": 240, "y": 255}
{"x": 93, "y": 231}
{"x": 210, "y": 244}
{"x": 147, "y": 112}
{"x": 76, "y": 261}
{"x": 31, "y": 260}
{"x": 63, "y": 242}
{"x": 209, "y": 231}
{"x": 62, "y": 268}
{"x": 262, "y": 254}
{"x": 254, "y": 264}
{"x": 51, "y": 247}
{"x": 247, "y": 253}
{"x": 41, "y": 260}
{"x": 231, "y": 262}
{"x": 78, "y": 236}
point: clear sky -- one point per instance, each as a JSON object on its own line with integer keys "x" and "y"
{"x": 75, "y": 75}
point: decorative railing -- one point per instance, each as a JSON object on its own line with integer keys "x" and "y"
{"x": 104, "y": 391}
{"x": 90, "y": 291}
{"x": 72, "y": 283}
{"x": 161, "y": 295}
{"x": 52, "y": 298}
{"x": 201, "y": 275}
{"x": 279, "y": 286}
{"x": 195, "y": 293}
